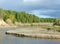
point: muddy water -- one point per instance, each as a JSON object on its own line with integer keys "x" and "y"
{"x": 9, "y": 39}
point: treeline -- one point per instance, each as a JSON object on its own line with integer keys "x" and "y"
{"x": 23, "y": 17}
{"x": 51, "y": 20}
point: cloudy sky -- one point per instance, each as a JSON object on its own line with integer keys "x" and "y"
{"x": 41, "y": 8}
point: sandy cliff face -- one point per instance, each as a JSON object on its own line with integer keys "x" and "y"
{"x": 2, "y": 23}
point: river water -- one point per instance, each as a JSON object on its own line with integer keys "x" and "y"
{"x": 9, "y": 39}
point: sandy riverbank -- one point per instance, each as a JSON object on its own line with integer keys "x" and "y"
{"x": 35, "y": 33}
{"x": 3, "y": 24}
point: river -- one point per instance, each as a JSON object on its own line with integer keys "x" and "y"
{"x": 9, "y": 39}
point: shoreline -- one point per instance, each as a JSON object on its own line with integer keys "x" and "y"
{"x": 25, "y": 24}
{"x": 33, "y": 34}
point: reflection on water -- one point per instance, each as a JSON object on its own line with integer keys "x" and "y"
{"x": 9, "y": 39}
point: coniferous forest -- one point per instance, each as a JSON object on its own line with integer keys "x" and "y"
{"x": 23, "y": 17}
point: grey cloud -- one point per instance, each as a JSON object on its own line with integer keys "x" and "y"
{"x": 41, "y": 6}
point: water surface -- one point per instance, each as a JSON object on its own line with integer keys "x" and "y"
{"x": 9, "y": 39}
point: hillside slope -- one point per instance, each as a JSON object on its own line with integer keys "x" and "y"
{"x": 3, "y": 23}
{"x": 22, "y": 17}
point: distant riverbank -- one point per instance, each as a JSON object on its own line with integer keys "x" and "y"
{"x": 5, "y": 24}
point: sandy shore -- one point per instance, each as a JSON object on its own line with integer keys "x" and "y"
{"x": 35, "y": 33}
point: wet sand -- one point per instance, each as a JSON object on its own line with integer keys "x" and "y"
{"x": 42, "y": 33}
